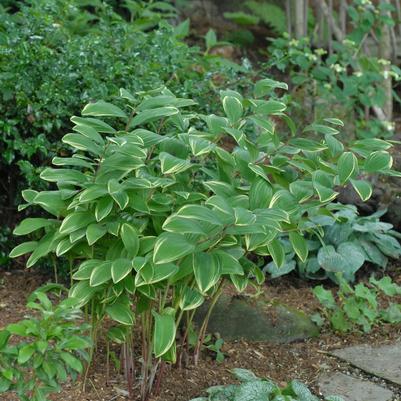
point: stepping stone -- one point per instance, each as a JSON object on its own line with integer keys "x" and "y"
{"x": 237, "y": 318}
{"x": 383, "y": 361}
{"x": 352, "y": 389}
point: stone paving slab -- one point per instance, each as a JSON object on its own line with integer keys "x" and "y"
{"x": 352, "y": 389}
{"x": 383, "y": 361}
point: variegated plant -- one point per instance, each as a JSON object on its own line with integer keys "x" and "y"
{"x": 159, "y": 207}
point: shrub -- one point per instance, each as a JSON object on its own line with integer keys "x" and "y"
{"x": 40, "y": 353}
{"x": 359, "y": 306}
{"x": 252, "y": 387}
{"x": 59, "y": 56}
{"x": 342, "y": 243}
{"x": 153, "y": 210}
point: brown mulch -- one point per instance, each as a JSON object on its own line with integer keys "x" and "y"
{"x": 281, "y": 362}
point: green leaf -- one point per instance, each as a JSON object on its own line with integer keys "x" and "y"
{"x": 264, "y": 86}
{"x": 347, "y": 166}
{"x": 30, "y": 225}
{"x": 299, "y": 244}
{"x": 363, "y": 188}
{"x": 211, "y": 39}
{"x": 276, "y": 251}
{"x": 100, "y": 274}
{"x": 325, "y": 297}
{"x": 378, "y": 161}
{"x": 323, "y": 184}
{"x": 102, "y": 108}
{"x": 121, "y": 313}
{"x": 83, "y": 143}
{"x": 190, "y": 299}
{"x": 71, "y": 361}
{"x": 207, "y": 272}
{"x": 76, "y": 221}
{"x": 170, "y": 247}
{"x": 254, "y": 391}
{"x": 94, "y": 232}
{"x": 117, "y": 193}
{"x": 25, "y": 353}
{"x": 173, "y": 165}
{"x": 129, "y": 236}
{"x": 120, "y": 269}
{"x": 164, "y": 333}
{"x": 22, "y": 249}
{"x": 233, "y": 108}
{"x": 103, "y": 208}
{"x": 260, "y": 194}
{"x": 147, "y": 116}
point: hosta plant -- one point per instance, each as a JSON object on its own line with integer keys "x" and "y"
{"x": 39, "y": 353}
{"x": 359, "y": 307}
{"x": 252, "y": 387}
{"x": 159, "y": 207}
{"x": 344, "y": 242}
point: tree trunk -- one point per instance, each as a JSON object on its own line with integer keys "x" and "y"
{"x": 385, "y": 53}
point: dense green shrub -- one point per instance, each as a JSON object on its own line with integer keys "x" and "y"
{"x": 57, "y": 56}
{"x": 152, "y": 210}
{"x": 252, "y": 387}
{"x": 42, "y": 352}
{"x": 342, "y": 243}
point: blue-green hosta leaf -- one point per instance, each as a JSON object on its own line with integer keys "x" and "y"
{"x": 254, "y": 391}
{"x": 347, "y": 166}
{"x": 164, "y": 332}
{"x": 330, "y": 260}
{"x": 207, "y": 272}
{"x": 275, "y": 271}
{"x": 173, "y": 165}
{"x": 387, "y": 244}
{"x": 102, "y": 108}
{"x": 170, "y": 247}
{"x": 147, "y": 116}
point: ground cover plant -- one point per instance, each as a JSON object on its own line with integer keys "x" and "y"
{"x": 359, "y": 307}
{"x": 40, "y": 353}
{"x": 252, "y": 387}
{"x": 342, "y": 243}
{"x": 154, "y": 215}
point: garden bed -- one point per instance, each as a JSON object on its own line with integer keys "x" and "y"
{"x": 304, "y": 360}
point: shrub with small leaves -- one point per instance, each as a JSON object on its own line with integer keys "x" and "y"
{"x": 359, "y": 306}
{"x": 252, "y": 387}
{"x": 39, "y": 353}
